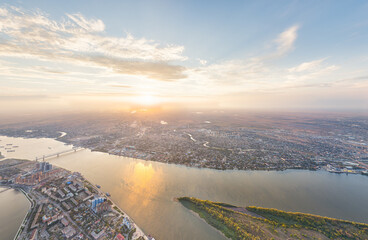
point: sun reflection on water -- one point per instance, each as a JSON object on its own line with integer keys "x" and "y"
{"x": 144, "y": 183}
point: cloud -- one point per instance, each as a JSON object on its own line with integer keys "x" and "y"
{"x": 307, "y": 66}
{"x": 88, "y": 25}
{"x": 285, "y": 41}
{"x": 353, "y": 82}
{"x": 313, "y": 70}
{"x": 50, "y": 70}
{"x": 74, "y": 57}
{"x": 202, "y": 61}
{"x": 233, "y": 71}
{"x": 230, "y": 76}
{"x": 80, "y": 40}
{"x": 254, "y": 75}
{"x": 23, "y": 97}
{"x": 155, "y": 70}
{"x": 121, "y": 86}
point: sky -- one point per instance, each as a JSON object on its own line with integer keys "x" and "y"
{"x": 60, "y": 55}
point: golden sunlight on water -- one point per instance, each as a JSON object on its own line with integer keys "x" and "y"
{"x": 144, "y": 182}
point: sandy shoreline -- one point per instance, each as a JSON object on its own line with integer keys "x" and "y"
{"x": 197, "y": 215}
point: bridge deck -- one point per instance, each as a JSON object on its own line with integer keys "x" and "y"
{"x": 58, "y": 153}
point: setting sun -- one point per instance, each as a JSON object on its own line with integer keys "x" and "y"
{"x": 146, "y": 100}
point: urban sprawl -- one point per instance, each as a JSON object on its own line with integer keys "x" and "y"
{"x": 221, "y": 141}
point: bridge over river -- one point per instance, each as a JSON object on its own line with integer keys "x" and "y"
{"x": 52, "y": 155}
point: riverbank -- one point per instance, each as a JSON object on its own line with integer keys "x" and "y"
{"x": 62, "y": 139}
{"x": 194, "y": 161}
{"x": 65, "y": 191}
{"x": 15, "y": 206}
{"x": 25, "y": 219}
{"x": 345, "y": 171}
{"x": 234, "y": 223}
{"x": 117, "y": 208}
{"x": 204, "y": 220}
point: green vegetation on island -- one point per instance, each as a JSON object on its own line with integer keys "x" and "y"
{"x": 265, "y": 223}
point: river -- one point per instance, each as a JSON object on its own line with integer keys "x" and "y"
{"x": 145, "y": 190}
{"x": 14, "y": 206}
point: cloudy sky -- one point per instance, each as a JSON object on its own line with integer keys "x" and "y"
{"x": 219, "y": 54}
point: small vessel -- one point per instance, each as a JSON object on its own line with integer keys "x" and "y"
{"x": 98, "y": 186}
{"x": 108, "y": 194}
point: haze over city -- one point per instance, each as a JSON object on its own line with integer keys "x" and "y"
{"x": 248, "y": 55}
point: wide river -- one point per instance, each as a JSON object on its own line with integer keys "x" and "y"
{"x": 145, "y": 190}
{"x": 14, "y": 206}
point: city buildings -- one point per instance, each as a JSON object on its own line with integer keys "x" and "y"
{"x": 67, "y": 206}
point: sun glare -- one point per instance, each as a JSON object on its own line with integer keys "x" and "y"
{"x": 147, "y": 100}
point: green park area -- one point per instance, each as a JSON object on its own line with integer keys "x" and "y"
{"x": 266, "y": 223}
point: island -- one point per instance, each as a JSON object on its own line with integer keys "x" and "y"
{"x": 65, "y": 205}
{"x": 267, "y": 223}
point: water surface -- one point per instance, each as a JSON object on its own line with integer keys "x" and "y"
{"x": 145, "y": 190}
{"x": 13, "y": 208}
